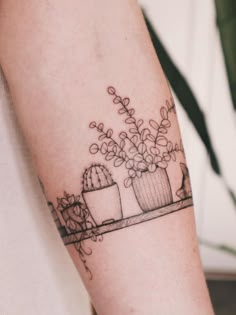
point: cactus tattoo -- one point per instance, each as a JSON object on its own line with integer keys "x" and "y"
{"x": 99, "y": 191}
{"x": 145, "y": 150}
{"x": 96, "y": 177}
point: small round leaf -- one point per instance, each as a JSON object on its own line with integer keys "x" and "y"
{"x": 122, "y": 110}
{"x": 166, "y": 156}
{"x": 152, "y": 168}
{"x": 142, "y": 166}
{"x": 142, "y": 148}
{"x": 145, "y": 132}
{"x": 162, "y": 141}
{"x": 169, "y": 146}
{"x": 164, "y": 113}
{"x": 131, "y": 111}
{"x": 153, "y": 124}
{"x": 133, "y": 130}
{"x": 111, "y": 90}
{"x": 132, "y": 173}
{"x": 117, "y": 100}
{"x": 129, "y": 164}
{"x": 154, "y": 150}
{"x": 102, "y": 137}
{"x": 162, "y": 130}
{"x": 151, "y": 138}
{"x": 111, "y": 143}
{"x": 128, "y": 182}
{"x": 149, "y": 158}
{"x": 173, "y": 155}
{"x": 126, "y": 101}
{"x": 103, "y": 148}
{"x": 94, "y": 148}
{"x": 130, "y": 120}
{"x": 109, "y": 156}
{"x": 140, "y": 122}
{"x": 92, "y": 124}
{"x": 138, "y": 157}
{"x": 156, "y": 159}
{"x": 133, "y": 149}
{"x": 134, "y": 139}
{"x": 123, "y": 135}
{"x": 166, "y": 123}
{"x": 109, "y": 133}
{"x": 100, "y": 126}
{"x": 162, "y": 164}
{"x": 122, "y": 144}
{"x": 118, "y": 162}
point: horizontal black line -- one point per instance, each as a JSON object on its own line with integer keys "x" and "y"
{"x": 129, "y": 221}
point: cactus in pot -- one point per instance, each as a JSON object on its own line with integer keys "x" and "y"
{"x": 101, "y": 195}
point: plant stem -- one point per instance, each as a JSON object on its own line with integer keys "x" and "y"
{"x": 169, "y": 109}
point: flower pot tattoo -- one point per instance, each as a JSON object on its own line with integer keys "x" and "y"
{"x": 145, "y": 151}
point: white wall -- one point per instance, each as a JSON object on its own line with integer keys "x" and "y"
{"x": 37, "y": 276}
{"x": 188, "y": 31}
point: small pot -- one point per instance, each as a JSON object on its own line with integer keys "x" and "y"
{"x": 104, "y": 204}
{"x": 152, "y": 190}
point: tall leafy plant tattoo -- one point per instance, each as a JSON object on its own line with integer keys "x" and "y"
{"x": 142, "y": 148}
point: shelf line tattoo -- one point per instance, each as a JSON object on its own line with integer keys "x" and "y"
{"x": 145, "y": 151}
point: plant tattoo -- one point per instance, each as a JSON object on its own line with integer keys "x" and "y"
{"x": 75, "y": 218}
{"x": 145, "y": 151}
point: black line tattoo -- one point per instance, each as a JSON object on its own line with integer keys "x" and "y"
{"x": 76, "y": 218}
{"x": 145, "y": 152}
{"x": 99, "y": 192}
{"x": 129, "y": 221}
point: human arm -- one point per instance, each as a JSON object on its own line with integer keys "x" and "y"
{"x": 59, "y": 59}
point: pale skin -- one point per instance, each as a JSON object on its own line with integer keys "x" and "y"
{"x": 59, "y": 57}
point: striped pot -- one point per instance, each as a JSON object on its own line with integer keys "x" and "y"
{"x": 152, "y": 190}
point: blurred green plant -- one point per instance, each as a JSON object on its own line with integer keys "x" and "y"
{"x": 222, "y": 247}
{"x": 188, "y": 100}
{"x": 226, "y": 21}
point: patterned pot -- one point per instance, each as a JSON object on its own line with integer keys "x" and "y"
{"x": 152, "y": 190}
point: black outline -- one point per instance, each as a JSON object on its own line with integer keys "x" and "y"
{"x": 146, "y": 154}
{"x": 141, "y": 149}
{"x": 130, "y": 221}
{"x": 97, "y": 178}
{"x": 69, "y": 225}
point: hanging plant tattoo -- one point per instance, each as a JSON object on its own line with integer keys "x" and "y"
{"x": 77, "y": 219}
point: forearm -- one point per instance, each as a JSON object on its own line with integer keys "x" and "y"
{"x": 60, "y": 58}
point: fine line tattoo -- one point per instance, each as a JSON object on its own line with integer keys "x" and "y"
{"x": 145, "y": 151}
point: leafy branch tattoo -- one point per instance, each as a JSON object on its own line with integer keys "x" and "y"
{"x": 145, "y": 151}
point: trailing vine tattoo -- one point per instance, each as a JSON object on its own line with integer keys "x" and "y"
{"x": 76, "y": 219}
{"x": 145, "y": 150}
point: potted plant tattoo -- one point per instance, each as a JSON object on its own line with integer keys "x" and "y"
{"x": 145, "y": 151}
{"x": 77, "y": 219}
{"x": 99, "y": 193}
